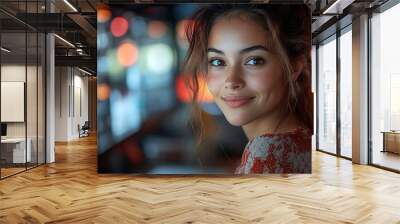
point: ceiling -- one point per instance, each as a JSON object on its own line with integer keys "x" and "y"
{"x": 77, "y": 22}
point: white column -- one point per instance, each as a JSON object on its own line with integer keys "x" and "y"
{"x": 314, "y": 91}
{"x": 360, "y": 90}
{"x": 50, "y": 93}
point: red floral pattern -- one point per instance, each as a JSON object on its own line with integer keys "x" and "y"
{"x": 288, "y": 152}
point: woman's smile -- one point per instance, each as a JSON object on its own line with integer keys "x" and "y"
{"x": 237, "y": 101}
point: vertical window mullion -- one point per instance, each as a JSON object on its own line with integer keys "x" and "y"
{"x": 338, "y": 73}
{"x": 26, "y": 85}
{"x": 369, "y": 100}
{"x": 316, "y": 97}
{"x": 0, "y": 89}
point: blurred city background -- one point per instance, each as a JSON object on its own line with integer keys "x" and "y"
{"x": 144, "y": 106}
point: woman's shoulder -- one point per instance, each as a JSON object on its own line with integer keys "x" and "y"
{"x": 287, "y": 152}
{"x": 298, "y": 131}
{"x": 298, "y": 139}
{"x": 297, "y": 134}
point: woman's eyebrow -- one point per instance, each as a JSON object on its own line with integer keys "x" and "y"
{"x": 253, "y": 48}
{"x": 245, "y": 50}
{"x": 214, "y": 50}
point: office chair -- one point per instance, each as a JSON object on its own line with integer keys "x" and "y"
{"x": 84, "y": 130}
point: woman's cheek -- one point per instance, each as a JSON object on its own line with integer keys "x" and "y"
{"x": 214, "y": 83}
{"x": 265, "y": 79}
{"x": 260, "y": 81}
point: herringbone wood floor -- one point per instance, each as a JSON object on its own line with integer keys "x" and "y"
{"x": 71, "y": 191}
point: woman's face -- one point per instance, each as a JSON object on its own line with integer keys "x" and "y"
{"x": 244, "y": 76}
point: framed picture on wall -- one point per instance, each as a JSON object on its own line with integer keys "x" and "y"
{"x": 204, "y": 89}
{"x": 12, "y": 101}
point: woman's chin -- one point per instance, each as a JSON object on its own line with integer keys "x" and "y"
{"x": 238, "y": 117}
{"x": 236, "y": 121}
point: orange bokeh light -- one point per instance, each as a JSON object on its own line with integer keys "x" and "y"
{"x": 127, "y": 54}
{"x": 103, "y": 92}
{"x": 119, "y": 26}
{"x": 182, "y": 26}
{"x": 184, "y": 93}
{"x": 157, "y": 29}
{"x": 103, "y": 13}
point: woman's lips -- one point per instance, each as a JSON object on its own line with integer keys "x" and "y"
{"x": 237, "y": 101}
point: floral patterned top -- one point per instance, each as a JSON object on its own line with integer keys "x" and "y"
{"x": 288, "y": 152}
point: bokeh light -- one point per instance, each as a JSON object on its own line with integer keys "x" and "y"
{"x": 114, "y": 67}
{"x": 125, "y": 113}
{"x": 157, "y": 29}
{"x": 102, "y": 40}
{"x": 159, "y": 58}
{"x": 205, "y": 95}
{"x": 103, "y": 91}
{"x": 127, "y": 53}
{"x": 102, "y": 64}
{"x": 133, "y": 78}
{"x": 184, "y": 93}
{"x": 138, "y": 27}
{"x": 181, "y": 32}
{"x": 119, "y": 26}
{"x": 103, "y": 13}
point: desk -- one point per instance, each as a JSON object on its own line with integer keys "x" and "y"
{"x": 16, "y": 147}
{"x": 391, "y": 141}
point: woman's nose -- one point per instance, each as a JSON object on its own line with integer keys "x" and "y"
{"x": 234, "y": 79}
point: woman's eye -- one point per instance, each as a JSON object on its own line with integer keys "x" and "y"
{"x": 255, "y": 61}
{"x": 216, "y": 62}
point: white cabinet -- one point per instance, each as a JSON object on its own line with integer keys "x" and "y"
{"x": 18, "y": 149}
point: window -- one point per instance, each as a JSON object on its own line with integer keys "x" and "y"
{"x": 22, "y": 75}
{"x": 346, "y": 92}
{"x": 385, "y": 88}
{"x": 327, "y": 96}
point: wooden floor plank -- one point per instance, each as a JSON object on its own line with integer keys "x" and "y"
{"x": 71, "y": 191}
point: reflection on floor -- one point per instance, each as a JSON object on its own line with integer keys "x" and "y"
{"x": 387, "y": 159}
{"x": 11, "y": 169}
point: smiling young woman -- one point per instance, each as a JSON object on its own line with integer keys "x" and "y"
{"x": 256, "y": 61}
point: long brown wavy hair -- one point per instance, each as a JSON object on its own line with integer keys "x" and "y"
{"x": 289, "y": 31}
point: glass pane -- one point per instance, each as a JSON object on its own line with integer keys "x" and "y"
{"x": 346, "y": 94}
{"x": 13, "y": 86}
{"x": 32, "y": 85}
{"x": 31, "y": 97}
{"x": 327, "y": 96}
{"x": 23, "y": 85}
{"x": 385, "y": 86}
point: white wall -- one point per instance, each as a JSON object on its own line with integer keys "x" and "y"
{"x": 13, "y": 73}
{"x": 80, "y": 109}
{"x": 61, "y": 103}
{"x": 71, "y": 94}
